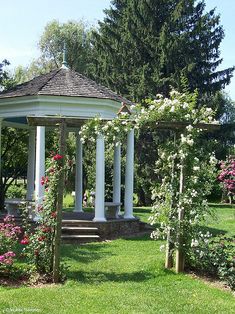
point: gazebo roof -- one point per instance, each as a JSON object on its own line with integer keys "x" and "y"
{"x": 63, "y": 82}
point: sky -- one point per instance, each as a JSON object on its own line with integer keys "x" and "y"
{"x": 23, "y": 21}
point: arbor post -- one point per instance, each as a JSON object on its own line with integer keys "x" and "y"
{"x": 180, "y": 258}
{"x": 169, "y": 262}
{"x": 31, "y": 165}
{"x": 100, "y": 176}
{"x": 59, "y": 204}
{"x": 129, "y": 178}
{"x": 78, "y": 175}
{"x": 117, "y": 175}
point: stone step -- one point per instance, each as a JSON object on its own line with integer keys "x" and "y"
{"x": 77, "y": 223}
{"x": 82, "y": 238}
{"x": 79, "y": 230}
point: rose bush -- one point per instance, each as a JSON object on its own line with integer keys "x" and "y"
{"x": 214, "y": 256}
{"x": 9, "y": 237}
{"x": 227, "y": 177}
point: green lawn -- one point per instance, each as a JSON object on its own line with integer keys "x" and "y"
{"x": 122, "y": 276}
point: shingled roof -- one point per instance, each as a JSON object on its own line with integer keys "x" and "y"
{"x": 63, "y": 82}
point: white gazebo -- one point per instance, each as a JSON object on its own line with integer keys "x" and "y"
{"x": 66, "y": 93}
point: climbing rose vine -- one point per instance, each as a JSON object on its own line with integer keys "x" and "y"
{"x": 39, "y": 243}
{"x": 185, "y": 166}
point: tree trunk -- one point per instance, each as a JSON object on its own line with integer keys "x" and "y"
{"x": 2, "y": 196}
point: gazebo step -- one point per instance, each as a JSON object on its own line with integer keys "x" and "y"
{"x": 79, "y": 238}
{"x": 77, "y": 223}
{"x": 79, "y": 230}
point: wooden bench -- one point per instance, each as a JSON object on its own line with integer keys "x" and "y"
{"x": 112, "y": 210}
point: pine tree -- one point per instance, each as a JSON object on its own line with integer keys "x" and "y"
{"x": 144, "y": 47}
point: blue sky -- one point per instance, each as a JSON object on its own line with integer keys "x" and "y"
{"x": 22, "y": 23}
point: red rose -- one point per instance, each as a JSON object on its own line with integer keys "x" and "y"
{"x": 41, "y": 238}
{"x": 25, "y": 241}
{"x": 46, "y": 229}
{"x": 42, "y": 180}
{"x": 53, "y": 214}
{"x": 57, "y": 157}
{"x": 51, "y": 170}
{"x": 39, "y": 208}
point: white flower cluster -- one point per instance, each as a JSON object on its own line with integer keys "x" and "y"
{"x": 187, "y": 139}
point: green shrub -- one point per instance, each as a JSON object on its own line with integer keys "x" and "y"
{"x": 216, "y": 257}
{"x": 68, "y": 201}
{"x": 16, "y": 191}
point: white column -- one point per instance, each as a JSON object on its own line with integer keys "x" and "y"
{"x": 100, "y": 175}
{"x": 40, "y": 164}
{"x": 129, "y": 176}
{"x": 31, "y": 165}
{"x": 78, "y": 175}
{"x": 0, "y": 146}
{"x": 117, "y": 175}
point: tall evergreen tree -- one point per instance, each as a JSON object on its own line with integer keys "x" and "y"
{"x": 144, "y": 47}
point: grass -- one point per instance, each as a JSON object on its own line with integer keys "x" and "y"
{"x": 224, "y": 221}
{"x": 123, "y": 276}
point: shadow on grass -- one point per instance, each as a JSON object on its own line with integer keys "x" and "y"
{"x": 214, "y": 231}
{"x": 144, "y": 210}
{"x": 71, "y": 209}
{"x": 98, "y": 277}
{"x": 85, "y": 253}
{"x": 145, "y": 237}
{"x": 222, "y": 205}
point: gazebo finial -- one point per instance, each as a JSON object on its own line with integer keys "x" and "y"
{"x": 64, "y": 63}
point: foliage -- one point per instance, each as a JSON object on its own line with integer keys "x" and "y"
{"x": 6, "y": 79}
{"x": 76, "y": 36}
{"x": 143, "y": 47}
{"x": 39, "y": 243}
{"x": 114, "y": 133}
{"x": 227, "y": 176}
{"x": 37, "y": 67}
{"x": 113, "y": 130}
{"x": 185, "y": 165}
{"x": 16, "y": 191}
{"x": 9, "y": 235}
{"x": 3, "y": 72}
{"x": 68, "y": 201}
{"x": 214, "y": 256}
{"x": 187, "y": 171}
{"x": 14, "y": 158}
